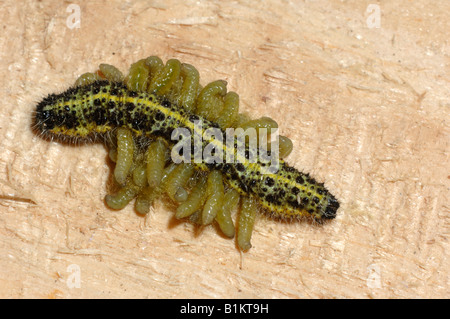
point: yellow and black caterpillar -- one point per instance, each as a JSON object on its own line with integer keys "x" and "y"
{"x": 143, "y": 110}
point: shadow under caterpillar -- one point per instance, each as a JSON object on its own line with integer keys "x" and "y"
{"x": 137, "y": 115}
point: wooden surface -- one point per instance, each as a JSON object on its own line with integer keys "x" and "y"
{"x": 367, "y": 109}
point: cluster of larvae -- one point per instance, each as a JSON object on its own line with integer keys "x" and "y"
{"x": 137, "y": 115}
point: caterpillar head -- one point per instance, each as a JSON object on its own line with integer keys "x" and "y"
{"x": 68, "y": 115}
{"x": 331, "y": 208}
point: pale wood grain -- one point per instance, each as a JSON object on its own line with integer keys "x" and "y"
{"x": 367, "y": 110}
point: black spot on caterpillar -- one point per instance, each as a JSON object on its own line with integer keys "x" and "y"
{"x": 143, "y": 110}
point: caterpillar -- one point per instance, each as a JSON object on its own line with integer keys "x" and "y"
{"x": 143, "y": 115}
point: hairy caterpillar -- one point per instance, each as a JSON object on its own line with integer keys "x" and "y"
{"x": 137, "y": 117}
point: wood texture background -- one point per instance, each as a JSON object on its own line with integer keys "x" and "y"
{"x": 367, "y": 110}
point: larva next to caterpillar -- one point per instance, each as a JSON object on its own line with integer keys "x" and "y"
{"x": 140, "y": 117}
